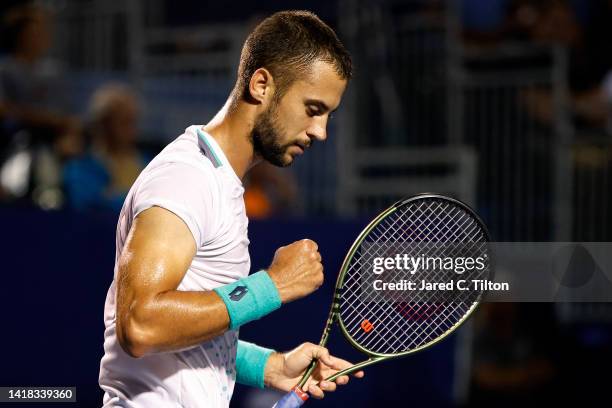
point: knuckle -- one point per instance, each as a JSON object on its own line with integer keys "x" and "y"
{"x": 309, "y": 244}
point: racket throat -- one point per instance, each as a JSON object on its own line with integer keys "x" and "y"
{"x": 356, "y": 367}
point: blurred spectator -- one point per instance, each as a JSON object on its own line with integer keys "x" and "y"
{"x": 34, "y": 123}
{"x": 544, "y": 22}
{"x": 269, "y": 191}
{"x": 556, "y": 22}
{"x": 101, "y": 178}
{"x": 533, "y": 21}
{"x": 592, "y": 70}
{"x": 31, "y": 92}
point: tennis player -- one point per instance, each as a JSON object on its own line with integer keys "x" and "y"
{"x": 181, "y": 287}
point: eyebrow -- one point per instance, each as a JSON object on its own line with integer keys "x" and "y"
{"x": 319, "y": 104}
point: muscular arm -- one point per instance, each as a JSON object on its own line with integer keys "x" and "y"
{"x": 152, "y": 316}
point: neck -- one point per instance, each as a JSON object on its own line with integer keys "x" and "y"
{"x": 231, "y": 129}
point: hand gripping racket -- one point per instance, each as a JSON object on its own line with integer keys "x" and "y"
{"x": 437, "y": 243}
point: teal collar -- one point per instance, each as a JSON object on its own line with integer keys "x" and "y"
{"x": 208, "y": 150}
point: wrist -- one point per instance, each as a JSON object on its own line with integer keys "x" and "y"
{"x": 249, "y": 298}
{"x": 280, "y": 288}
{"x": 274, "y": 369}
{"x": 252, "y": 363}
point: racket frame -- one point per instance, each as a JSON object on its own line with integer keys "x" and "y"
{"x": 334, "y": 313}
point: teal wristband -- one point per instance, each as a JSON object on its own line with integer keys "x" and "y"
{"x": 249, "y": 298}
{"x": 251, "y": 361}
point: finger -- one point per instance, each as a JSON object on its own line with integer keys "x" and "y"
{"x": 338, "y": 363}
{"x": 327, "y": 386}
{"x": 310, "y": 244}
{"x": 358, "y": 374}
{"x": 315, "y": 391}
{"x": 322, "y": 354}
{"x": 342, "y": 380}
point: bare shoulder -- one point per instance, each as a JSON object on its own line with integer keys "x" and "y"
{"x": 157, "y": 253}
{"x": 160, "y": 228}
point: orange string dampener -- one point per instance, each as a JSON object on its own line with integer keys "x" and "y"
{"x": 367, "y": 326}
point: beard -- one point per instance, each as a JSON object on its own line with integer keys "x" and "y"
{"x": 265, "y": 136}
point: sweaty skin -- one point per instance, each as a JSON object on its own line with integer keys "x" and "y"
{"x": 152, "y": 315}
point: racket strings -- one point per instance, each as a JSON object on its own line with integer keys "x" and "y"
{"x": 416, "y": 324}
{"x": 406, "y": 320}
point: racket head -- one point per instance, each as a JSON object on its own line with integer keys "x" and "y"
{"x": 396, "y": 325}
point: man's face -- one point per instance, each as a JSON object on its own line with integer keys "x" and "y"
{"x": 289, "y": 125}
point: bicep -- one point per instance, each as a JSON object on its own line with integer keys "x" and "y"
{"x": 157, "y": 253}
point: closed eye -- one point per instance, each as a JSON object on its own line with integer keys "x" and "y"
{"x": 313, "y": 111}
{"x": 315, "y": 107}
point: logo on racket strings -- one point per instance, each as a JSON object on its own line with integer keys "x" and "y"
{"x": 367, "y": 326}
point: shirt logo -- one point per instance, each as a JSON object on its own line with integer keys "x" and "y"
{"x": 238, "y": 293}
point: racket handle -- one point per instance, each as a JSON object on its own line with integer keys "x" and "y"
{"x": 294, "y": 399}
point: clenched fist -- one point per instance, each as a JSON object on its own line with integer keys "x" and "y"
{"x": 296, "y": 270}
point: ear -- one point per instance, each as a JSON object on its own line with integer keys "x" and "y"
{"x": 261, "y": 85}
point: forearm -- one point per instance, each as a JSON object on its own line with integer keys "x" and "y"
{"x": 172, "y": 321}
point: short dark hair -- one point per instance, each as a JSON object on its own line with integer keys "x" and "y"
{"x": 286, "y": 44}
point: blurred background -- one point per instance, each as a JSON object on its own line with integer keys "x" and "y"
{"x": 505, "y": 104}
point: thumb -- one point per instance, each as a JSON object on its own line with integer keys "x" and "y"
{"x": 322, "y": 354}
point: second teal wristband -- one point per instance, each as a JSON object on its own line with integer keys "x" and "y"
{"x": 249, "y": 298}
{"x": 251, "y": 361}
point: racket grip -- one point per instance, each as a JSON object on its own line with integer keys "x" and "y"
{"x": 294, "y": 399}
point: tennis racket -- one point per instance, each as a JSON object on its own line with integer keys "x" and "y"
{"x": 437, "y": 243}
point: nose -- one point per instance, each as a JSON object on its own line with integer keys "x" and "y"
{"x": 318, "y": 128}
